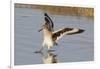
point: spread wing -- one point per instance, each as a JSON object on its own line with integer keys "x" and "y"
{"x": 65, "y": 31}
{"x": 48, "y": 20}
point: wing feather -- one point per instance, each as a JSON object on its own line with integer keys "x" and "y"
{"x": 65, "y": 31}
{"x": 50, "y": 20}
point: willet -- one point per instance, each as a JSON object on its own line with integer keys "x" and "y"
{"x": 51, "y": 37}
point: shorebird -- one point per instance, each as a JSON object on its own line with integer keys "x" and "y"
{"x": 51, "y": 37}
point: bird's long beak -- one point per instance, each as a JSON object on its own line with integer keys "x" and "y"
{"x": 40, "y": 29}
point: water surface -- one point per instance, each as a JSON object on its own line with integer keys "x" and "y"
{"x": 71, "y": 48}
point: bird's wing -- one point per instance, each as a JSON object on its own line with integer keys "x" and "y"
{"x": 65, "y": 31}
{"x": 48, "y": 19}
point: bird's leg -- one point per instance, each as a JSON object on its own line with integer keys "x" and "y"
{"x": 42, "y": 47}
{"x": 39, "y": 51}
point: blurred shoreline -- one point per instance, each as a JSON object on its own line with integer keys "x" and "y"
{"x": 73, "y": 11}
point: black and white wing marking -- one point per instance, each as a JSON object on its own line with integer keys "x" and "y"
{"x": 48, "y": 25}
{"x": 49, "y": 20}
{"x": 65, "y": 31}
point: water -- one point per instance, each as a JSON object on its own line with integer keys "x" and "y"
{"x": 71, "y": 48}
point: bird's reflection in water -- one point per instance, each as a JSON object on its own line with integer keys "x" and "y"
{"x": 49, "y": 57}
